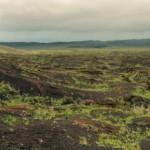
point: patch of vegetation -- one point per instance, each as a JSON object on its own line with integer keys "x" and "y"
{"x": 142, "y": 92}
{"x": 130, "y": 140}
{"x": 7, "y": 91}
{"x": 83, "y": 141}
{"x": 11, "y": 120}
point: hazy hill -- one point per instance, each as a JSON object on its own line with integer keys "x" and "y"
{"x": 78, "y": 44}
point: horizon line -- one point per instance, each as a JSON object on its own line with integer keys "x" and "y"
{"x": 75, "y": 41}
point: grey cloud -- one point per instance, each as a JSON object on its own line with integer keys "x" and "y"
{"x": 75, "y": 16}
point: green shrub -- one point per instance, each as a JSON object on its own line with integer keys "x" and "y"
{"x": 70, "y": 100}
{"x": 7, "y": 92}
{"x": 36, "y": 100}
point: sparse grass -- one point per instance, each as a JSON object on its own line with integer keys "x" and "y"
{"x": 142, "y": 92}
{"x": 126, "y": 142}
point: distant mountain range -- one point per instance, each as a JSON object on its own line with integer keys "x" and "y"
{"x": 78, "y": 44}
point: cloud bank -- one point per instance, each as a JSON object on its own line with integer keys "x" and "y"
{"x": 74, "y": 18}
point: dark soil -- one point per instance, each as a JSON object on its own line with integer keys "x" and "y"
{"x": 44, "y": 135}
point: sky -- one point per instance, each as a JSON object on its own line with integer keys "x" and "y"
{"x": 73, "y": 20}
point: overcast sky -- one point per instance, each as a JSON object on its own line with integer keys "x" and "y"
{"x": 68, "y": 20}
